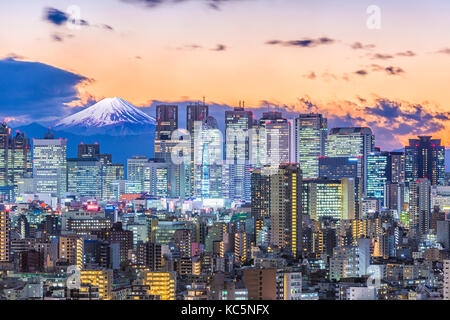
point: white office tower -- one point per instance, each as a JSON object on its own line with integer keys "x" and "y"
{"x": 156, "y": 178}
{"x": 310, "y": 136}
{"x": 50, "y": 165}
{"x": 278, "y": 138}
{"x": 351, "y": 142}
{"x": 237, "y": 180}
{"x": 208, "y": 160}
{"x": 135, "y": 171}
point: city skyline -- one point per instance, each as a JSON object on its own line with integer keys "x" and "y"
{"x": 310, "y": 57}
{"x": 237, "y": 151}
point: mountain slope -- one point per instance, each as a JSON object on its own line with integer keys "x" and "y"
{"x": 111, "y": 116}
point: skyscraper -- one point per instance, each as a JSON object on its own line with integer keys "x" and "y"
{"x": 15, "y": 160}
{"x": 278, "y": 138}
{"x": 156, "y": 178}
{"x": 310, "y": 136}
{"x": 238, "y": 122}
{"x": 325, "y": 198}
{"x": 135, "y": 171}
{"x": 395, "y": 171}
{"x": 351, "y": 142}
{"x": 166, "y": 125}
{"x": 425, "y": 158}
{"x": 84, "y": 177}
{"x": 376, "y": 174}
{"x": 50, "y": 165}
{"x": 88, "y": 150}
{"x": 208, "y": 160}
{"x": 420, "y": 206}
{"x": 4, "y": 235}
{"x": 286, "y": 209}
{"x": 195, "y": 113}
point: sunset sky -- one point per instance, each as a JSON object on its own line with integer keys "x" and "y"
{"x": 301, "y": 54}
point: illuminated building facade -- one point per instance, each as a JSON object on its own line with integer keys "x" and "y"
{"x": 238, "y": 124}
{"x": 102, "y": 279}
{"x": 351, "y": 142}
{"x": 286, "y": 208}
{"x": 50, "y": 165}
{"x": 161, "y": 284}
{"x": 310, "y": 135}
{"x": 425, "y": 158}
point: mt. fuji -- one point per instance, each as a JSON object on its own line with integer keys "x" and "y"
{"x": 110, "y": 116}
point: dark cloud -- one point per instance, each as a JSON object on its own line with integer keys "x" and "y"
{"x": 36, "y": 91}
{"x": 390, "y": 70}
{"x": 57, "y": 37}
{"x": 310, "y": 76}
{"x": 394, "y": 70}
{"x": 192, "y": 46}
{"x": 304, "y": 43}
{"x": 220, "y": 47}
{"x": 444, "y": 51}
{"x": 381, "y": 56}
{"x": 107, "y": 27}
{"x": 359, "y": 45}
{"x": 60, "y": 18}
{"x": 55, "y": 16}
{"x": 407, "y": 120}
{"x": 213, "y": 4}
{"x": 408, "y": 53}
{"x": 361, "y": 72}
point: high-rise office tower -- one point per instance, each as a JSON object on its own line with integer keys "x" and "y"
{"x": 208, "y": 160}
{"x": 395, "y": 171}
{"x": 88, "y": 158}
{"x": 166, "y": 121}
{"x": 19, "y": 160}
{"x": 15, "y": 161}
{"x": 84, "y": 177}
{"x": 278, "y": 138}
{"x": 325, "y": 198}
{"x": 340, "y": 167}
{"x": 4, "y": 235}
{"x": 50, "y": 165}
{"x": 258, "y": 145}
{"x": 112, "y": 172}
{"x": 425, "y": 158}
{"x": 286, "y": 209}
{"x": 260, "y": 182}
{"x": 310, "y": 135}
{"x": 377, "y": 163}
{"x": 93, "y": 151}
{"x": 88, "y": 150}
{"x": 166, "y": 125}
{"x": 420, "y": 205}
{"x": 238, "y": 124}
{"x": 5, "y": 134}
{"x": 351, "y": 142}
{"x": 135, "y": 171}
{"x": 194, "y": 114}
{"x": 156, "y": 178}
{"x": 394, "y": 197}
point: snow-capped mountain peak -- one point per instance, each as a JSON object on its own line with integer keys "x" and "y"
{"x": 109, "y": 111}
{"x": 113, "y": 116}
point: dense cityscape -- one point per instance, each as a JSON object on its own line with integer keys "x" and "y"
{"x": 271, "y": 209}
